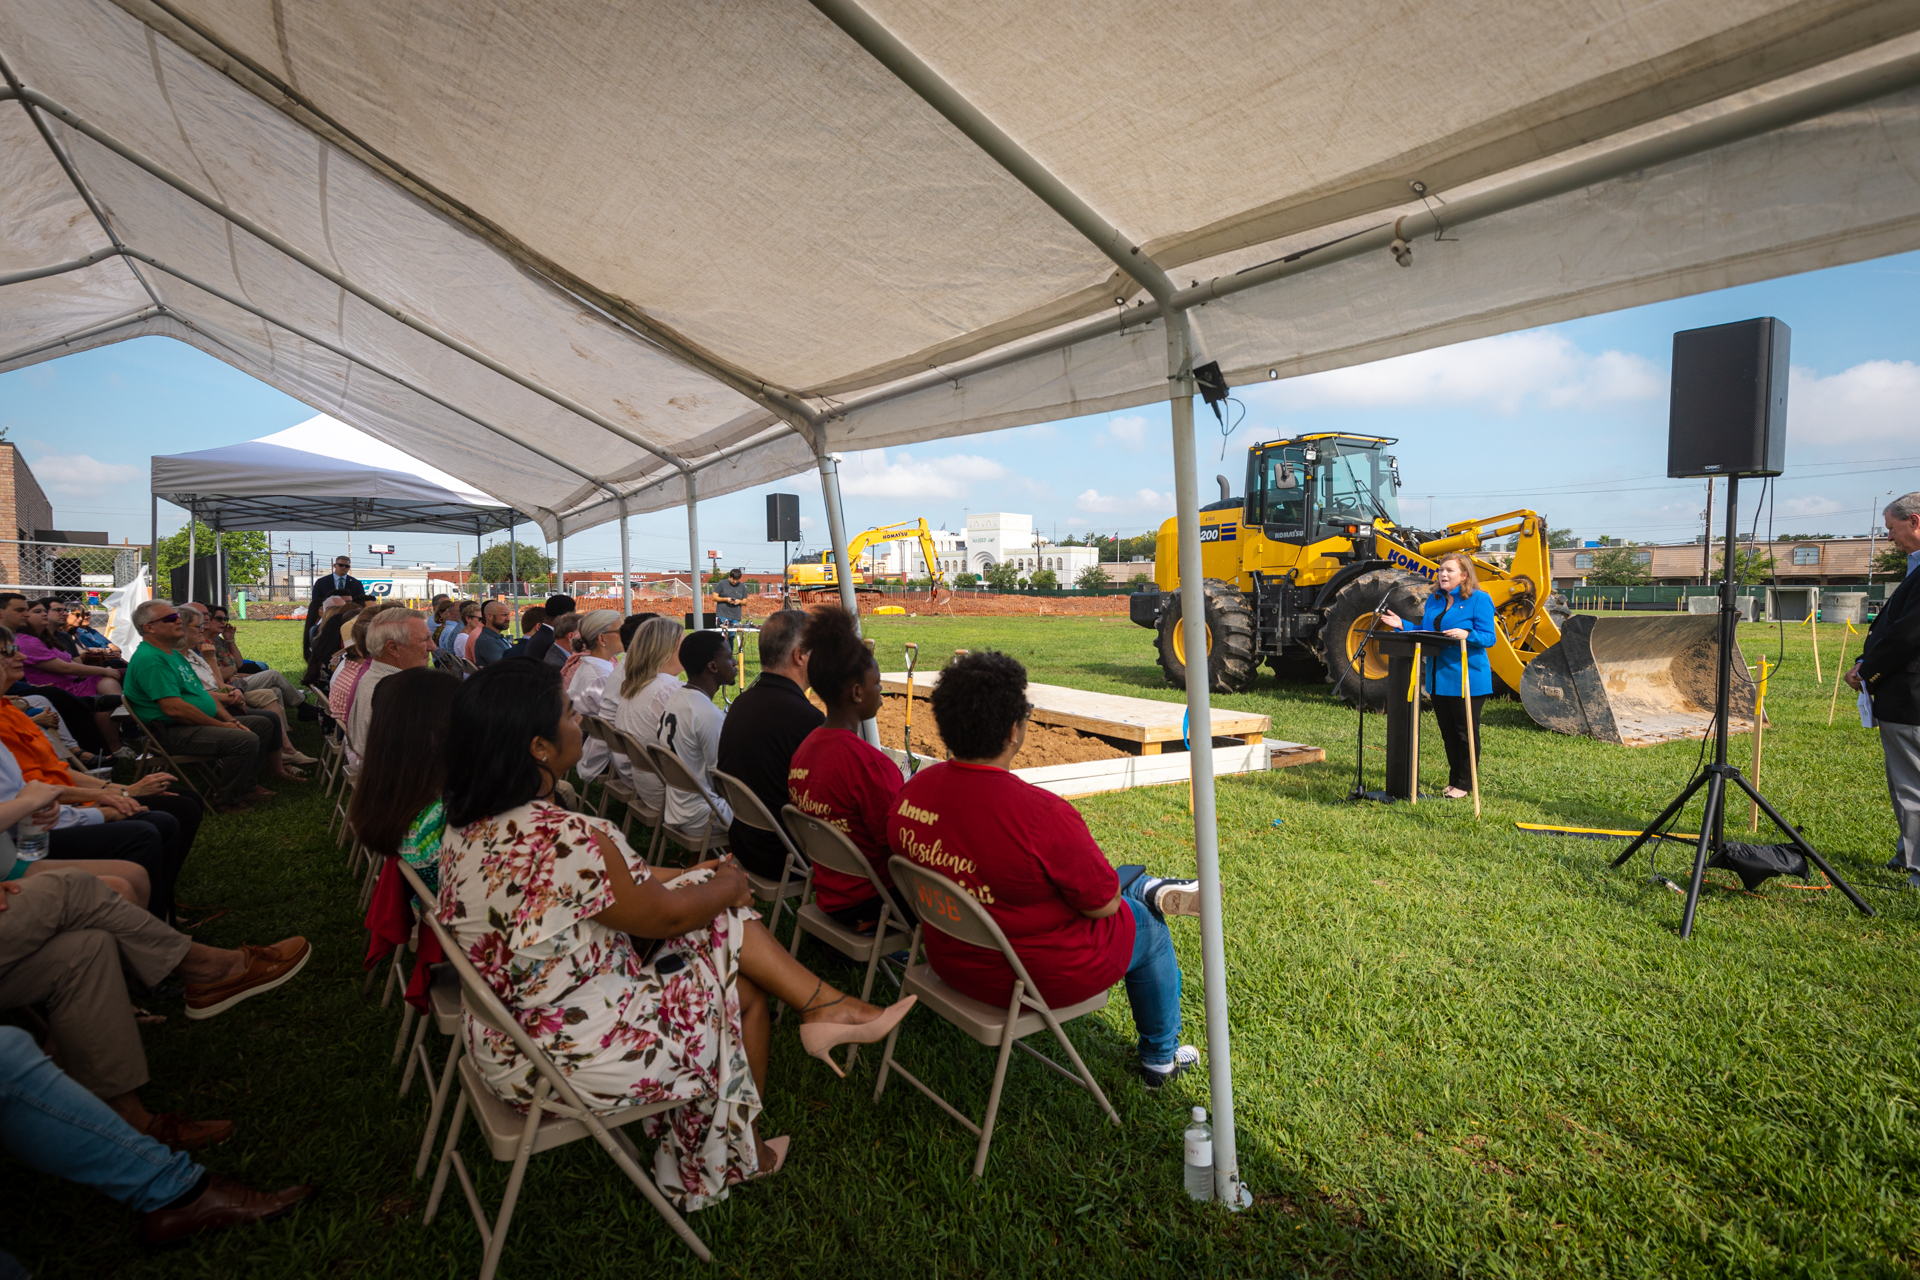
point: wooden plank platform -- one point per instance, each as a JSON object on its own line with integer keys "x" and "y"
{"x": 1090, "y": 777}
{"x": 1141, "y": 721}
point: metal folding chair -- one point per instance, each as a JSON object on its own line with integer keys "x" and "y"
{"x": 825, "y": 845}
{"x": 154, "y": 758}
{"x": 748, "y": 809}
{"x": 555, "y": 1117}
{"x": 941, "y": 904}
{"x": 443, "y": 1004}
{"x": 677, "y": 777}
{"x": 611, "y": 784}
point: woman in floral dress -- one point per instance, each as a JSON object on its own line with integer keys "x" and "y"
{"x": 640, "y": 991}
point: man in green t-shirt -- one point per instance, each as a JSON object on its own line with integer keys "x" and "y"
{"x": 182, "y": 716}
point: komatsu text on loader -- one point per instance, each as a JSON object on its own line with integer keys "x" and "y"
{"x": 1298, "y": 568}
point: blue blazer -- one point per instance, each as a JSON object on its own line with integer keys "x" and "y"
{"x": 1474, "y": 615}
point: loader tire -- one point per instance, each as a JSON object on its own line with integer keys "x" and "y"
{"x": 1360, "y": 678}
{"x": 1231, "y": 663}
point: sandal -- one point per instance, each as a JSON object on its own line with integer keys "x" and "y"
{"x": 144, "y": 1019}
{"x": 777, "y": 1148}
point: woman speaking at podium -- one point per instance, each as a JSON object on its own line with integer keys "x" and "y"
{"x": 1459, "y": 610}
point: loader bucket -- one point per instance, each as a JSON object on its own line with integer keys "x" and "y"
{"x": 1634, "y": 681}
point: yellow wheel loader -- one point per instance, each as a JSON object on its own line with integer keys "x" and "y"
{"x": 1298, "y": 568}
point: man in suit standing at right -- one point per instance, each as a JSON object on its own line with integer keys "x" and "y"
{"x": 340, "y": 582}
{"x": 1889, "y": 672}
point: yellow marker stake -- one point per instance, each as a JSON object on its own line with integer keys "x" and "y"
{"x": 1473, "y": 751}
{"x": 1413, "y": 696}
{"x": 1813, "y": 629}
{"x": 1759, "y": 729}
{"x": 1839, "y": 674}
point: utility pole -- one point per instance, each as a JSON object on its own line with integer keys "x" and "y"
{"x": 1706, "y": 543}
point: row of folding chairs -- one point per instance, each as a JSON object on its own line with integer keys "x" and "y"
{"x": 558, "y": 1117}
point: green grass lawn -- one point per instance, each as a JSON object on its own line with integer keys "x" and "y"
{"x": 1458, "y": 1049}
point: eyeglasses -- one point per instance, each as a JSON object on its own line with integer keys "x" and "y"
{"x": 8, "y": 651}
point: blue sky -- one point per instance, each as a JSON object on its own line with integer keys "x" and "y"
{"x": 1569, "y": 420}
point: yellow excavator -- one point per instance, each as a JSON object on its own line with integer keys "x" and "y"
{"x": 1299, "y": 566}
{"x": 811, "y": 580}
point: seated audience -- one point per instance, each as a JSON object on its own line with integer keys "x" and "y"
{"x": 141, "y": 823}
{"x": 599, "y": 631}
{"x": 620, "y": 977}
{"x": 649, "y": 676}
{"x": 566, "y": 629}
{"x": 399, "y": 641}
{"x": 1026, "y": 855}
{"x": 533, "y": 625}
{"x": 22, "y": 802}
{"x": 89, "y": 631}
{"x": 838, "y": 776}
{"x": 49, "y": 666}
{"x": 489, "y": 644}
{"x": 199, "y": 655}
{"x": 332, "y": 638}
{"x": 68, "y": 942}
{"x": 460, "y": 642}
{"x": 77, "y": 714}
{"x": 442, "y": 610}
{"x": 690, "y": 727}
{"x": 630, "y": 624}
{"x": 174, "y": 706}
{"x": 396, "y": 809}
{"x": 247, "y": 676}
{"x": 353, "y": 665}
{"x": 543, "y": 635}
{"x": 765, "y": 726}
{"x": 51, "y": 1124}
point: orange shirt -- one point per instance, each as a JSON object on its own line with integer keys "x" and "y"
{"x": 38, "y": 761}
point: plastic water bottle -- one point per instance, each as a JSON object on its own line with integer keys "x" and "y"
{"x": 1200, "y": 1156}
{"x": 30, "y": 840}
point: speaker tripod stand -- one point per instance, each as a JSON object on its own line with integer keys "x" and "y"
{"x": 1720, "y": 776}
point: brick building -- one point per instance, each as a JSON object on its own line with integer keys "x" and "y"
{"x": 1814, "y": 562}
{"x": 24, "y": 510}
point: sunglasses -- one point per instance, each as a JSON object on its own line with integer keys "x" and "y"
{"x": 165, "y": 617}
{"x": 8, "y": 651}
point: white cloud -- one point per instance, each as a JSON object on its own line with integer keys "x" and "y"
{"x": 1500, "y": 373}
{"x": 1093, "y": 502}
{"x": 78, "y": 474}
{"x": 871, "y": 474}
{"x": 1807, "y": 507}
{"x": 806, "y": 522}
{"x": 1129, "y": 432}
{"x": 1877, "y": 402}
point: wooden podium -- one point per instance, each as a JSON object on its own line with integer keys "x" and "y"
{"x": 1404, "y": 651}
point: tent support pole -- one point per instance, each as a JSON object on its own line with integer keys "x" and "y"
{"x": 829, "y": 465}
{"x": 219, "y": 584}
{"x": 626, "y": 565}
{"x": 193, "y": 519}
{"x": 81, "y": 335}
{"x": 560, "y": 563}
{"x": 153, "y": 545}
{"x": 693, "y": 553}
{"x": 1206, "y": 838}
{"x": 513, "y": 568}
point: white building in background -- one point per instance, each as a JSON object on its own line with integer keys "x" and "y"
{"x": 995, "y": 537}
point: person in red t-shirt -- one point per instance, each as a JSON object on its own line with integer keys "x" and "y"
{"x": 1027, "y": 856}
{"x": 837, "y": 776}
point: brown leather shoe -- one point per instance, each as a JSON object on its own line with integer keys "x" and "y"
{"x": 267, "y": 968}
{"x": 225, "y": 1203}
{"x": 172, "y": 1129}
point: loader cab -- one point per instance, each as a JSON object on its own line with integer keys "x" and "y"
{"x": 1311, "y": 488}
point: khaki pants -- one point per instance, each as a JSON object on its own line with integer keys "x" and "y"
{"x": 64, "y": 940}
{"x": 237, "y": 749}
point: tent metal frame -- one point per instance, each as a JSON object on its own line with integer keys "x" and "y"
{"x": 808, "y": 418}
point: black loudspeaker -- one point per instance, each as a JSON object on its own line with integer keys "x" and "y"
{"x": 1728, "y": 415}
{"x": 783, "y": 517}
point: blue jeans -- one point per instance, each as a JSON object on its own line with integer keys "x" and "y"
{"x": 1153, "y": 981}
{"x": 52, "y": 1124}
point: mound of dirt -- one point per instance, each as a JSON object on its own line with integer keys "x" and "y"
{"x": 1045, "y": 743}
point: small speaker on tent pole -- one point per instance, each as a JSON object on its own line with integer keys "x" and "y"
{"x": 1728, "y": 414}
{"x": 783, "y": 517}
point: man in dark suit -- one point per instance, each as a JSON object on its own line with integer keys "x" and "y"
{"x": 340, "y": 582}
{"x": 537, "y": 640}
{"x": 1889, "y": 672}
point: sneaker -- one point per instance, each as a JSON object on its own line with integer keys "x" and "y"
{"x": 1185, "y": 1058}
{"x": 1172, "y": 898}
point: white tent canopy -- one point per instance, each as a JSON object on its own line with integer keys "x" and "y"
{"x": 323, "y": 474}
{"x": 602, "y": 259}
